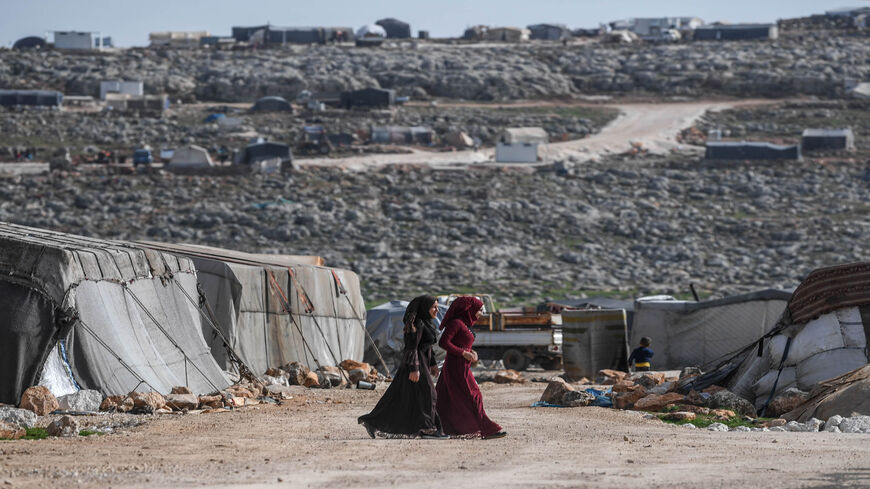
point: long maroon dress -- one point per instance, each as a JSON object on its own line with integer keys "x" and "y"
{"x": 459, "y": 401}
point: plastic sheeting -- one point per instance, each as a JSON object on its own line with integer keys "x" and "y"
{"x": 250, "y": 309}
{"x": 700, "y": 333}
{"x": 61, "y": 286}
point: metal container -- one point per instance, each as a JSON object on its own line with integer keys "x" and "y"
{"x": 592, "y": 340}
{"x": 362, "y": 384}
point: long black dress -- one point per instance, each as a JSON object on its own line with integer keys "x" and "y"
{"x": 408, "y": 408}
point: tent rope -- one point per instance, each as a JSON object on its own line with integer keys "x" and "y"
{"x": 174, "y": 343}
{"x": 244, "y": 370}
{"x": 362, "y": 324}
{"x": 120, "y": 360}
{"x": 308, "y": 302}
{"x": 285, "y": 304}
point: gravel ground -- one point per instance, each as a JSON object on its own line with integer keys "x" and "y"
{"x": 314, "y": 441}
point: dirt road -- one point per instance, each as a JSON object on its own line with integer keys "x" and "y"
{"x": 314, "y": 441}
{"x": 654, "y": 126}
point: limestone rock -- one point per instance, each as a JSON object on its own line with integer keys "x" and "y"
{"x": 680, "y": 416}
{"x": 575, "y": 398}
{"x": 833, "y": 423}
{"x": 65, "y": 426}
{"x": 180, "y": 389}
{"x": 648, "y": 379}
{"x": 11, "y": 431}
{"x": 728, "y": 400}
{"x": 555, "y": 391}
{"x": 610, "y": 377}
{"x": 311, "y": 380}
{"x": 509, "y": 376}
{"x": 84, "y": 400}
{"x": 627, "y": 399}
{"x": 296, "y": 373}
{"x": 23, "y": 418}
{"x": 334, "y": 375}
{"x": 214, "y": 402}
{"x": 353, "y": 365}
{"x": 357, "y": 374}
{"x": 270, "y": 380}
{"x": 655, "y": 402}
{"x": 723, "y": 414}
{"x": 774, "y": 422}
{"x": 855, "y": 424}
{"x": 786, "y": 401}
{"x": 241, "y": 391}
{"x": 690, "y": 372}
{"x": 275, "y": 372}
{"x": 182, "y": 402}
{"x": 661, "y": 388}
{"x": 38, "y": 399}
{"x": 717, "y": 427}
{"x": 148, "y": 401}
{"x": 121, "y": 404}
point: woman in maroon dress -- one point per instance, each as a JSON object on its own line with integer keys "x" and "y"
{"x": 459, "y": 401}
{"x": 408, "y": 405}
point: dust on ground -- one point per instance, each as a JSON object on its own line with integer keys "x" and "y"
{"x": 314, "y": 441}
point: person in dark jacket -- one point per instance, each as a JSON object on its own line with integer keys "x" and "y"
{"x": 641, "y": 356}
{"x": 408, "y": 405}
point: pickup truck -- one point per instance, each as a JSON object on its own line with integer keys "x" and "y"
{"x": 516, "y": 338}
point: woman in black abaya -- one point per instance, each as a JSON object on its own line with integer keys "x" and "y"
{"x": 408, "y": 405}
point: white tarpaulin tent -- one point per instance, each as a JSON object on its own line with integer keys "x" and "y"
{"x": 688, "y": 334}
{"x": 822, "y": 334}
{"x": 96, "y": 314}
{"x": 250, "y": 295}
{"x": 191, "y": 156}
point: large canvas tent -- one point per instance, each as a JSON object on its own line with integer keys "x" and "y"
{"x": 276, "y": 309}
{"x": 689, "y": 334}
{"x": 821, "y": 334}
{"x": 395, "y": 29}
{"x": 95, "y": 314}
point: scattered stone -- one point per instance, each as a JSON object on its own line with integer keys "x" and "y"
{"x": 180, "y": 389}
{"x": 776, "y": 428}
{"x": 148, "y": 401}
{"x": 812, "y": 425}
{"x": 774, "y": 422}
{"x": 311, "y": 380}
{"x": 611, "y": 377}
{"x": 680, "y": 416}
{"x": 85, "y": 400}
{"x": 296, "y": 373}
{"x": 575, "y": 398}
{"x": 284, "y": 391}
{"x": 23, "y": 418}
{"x": 627, "y": 399}
{"x": 728, "y": 400}
{"x": 742, "y": 428}
{"x": 38, "y": 399}
{"x": 11, "y": 431}
{"x": 269, "y": 380}
{"x": 855, "y": 424}
{"x": 689, "y": 426}
{"x": 276, "y": 372}
{"x": 661, "y": 388}
{"x": 353, "y": 365}
{"x": 555, "y": 391}
{"x": 689, "y": 407}
{"x": 214, "y": 402}
{"x": 690, "y": 372}
{"x": 509, "y": 376}
{"x": 242, "y": 391}
{"x": 334, "y": 375}
{"x": 648, "y": 379}
{"x": 786, "y": 401}
{"x": 357, "y": 374}
{"x": 65, "y": 426}
{"x": 723, "y": 414}
{"x": 182, "y": 402}
{"x": 833, "y": 424}
{"x": 717, "y": 427}
{"x": 655, "y": 402}
{"x": 121, "y": 404}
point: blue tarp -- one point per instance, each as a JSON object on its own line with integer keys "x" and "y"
{"x": 213, "y": 117}
{"x": 601, "y": 399}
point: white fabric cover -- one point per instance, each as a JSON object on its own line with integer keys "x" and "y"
{"x": 827, "y": 365}
{"x": 820, "y": 334}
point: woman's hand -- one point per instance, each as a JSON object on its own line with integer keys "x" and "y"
{"x": 469, "y": 356}
{"x": 475, "y": 356}
{"x": 434, "y": 371}
{"x": 414, "y": 376}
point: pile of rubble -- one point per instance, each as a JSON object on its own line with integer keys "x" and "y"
{"x": 653, "y": 392}
{"x": 276, "y": 384}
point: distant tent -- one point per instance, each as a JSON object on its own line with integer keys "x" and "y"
{"x": 384, "y": 324}
{"x": 687, "y": 333}
{"x": 97, "y": 314}
{"x": 190, "y": 157}
{"x": 747, "y": 150}
{"x": 244, "y": 34}
{"x": 827, "y": 139}
{"x": 549, "y": 32}
{"x": 368, "y": 97}
{"x": 29, "y": 42}
{"x": 736, "y": 32}
{"x": 370, "y": 35}
{"x": 276, "y": 309}
{"x": 272, "y": 104}
{"x": 43, "y": 98}
{"x": 524, "y": 135}
{"x": 395, "y": 29}
{"x": 265, "y": 151}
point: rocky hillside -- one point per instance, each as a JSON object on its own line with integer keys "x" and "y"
{"x": 635, "y": 226}
{"x": 800, "y": 63}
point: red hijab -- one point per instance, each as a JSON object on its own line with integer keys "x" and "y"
{"x": 463, "y": 309}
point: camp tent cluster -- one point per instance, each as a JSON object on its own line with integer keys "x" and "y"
{"x": 84, "y": 313}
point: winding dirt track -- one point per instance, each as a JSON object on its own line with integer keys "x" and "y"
{"x": 654, "y": 126}
{"x": 313, "y": 441}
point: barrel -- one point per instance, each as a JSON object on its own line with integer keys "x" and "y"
{"x": 592, "y": 340}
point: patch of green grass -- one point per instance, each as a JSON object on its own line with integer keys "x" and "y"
{"x": 89, "y": 433}
{"x": 36, "y": 434}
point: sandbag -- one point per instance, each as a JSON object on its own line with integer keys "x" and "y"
{"x": 774, "y": 349}
{"x": 852, "y": 327}
{"x": 762, "y": 388}
{"x": 849, "y": 315}
{"x": 827, "y": 365}
{"x": 819, "y": 335}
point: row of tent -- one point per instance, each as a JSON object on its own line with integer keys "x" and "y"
{"x": 115, "y": 316}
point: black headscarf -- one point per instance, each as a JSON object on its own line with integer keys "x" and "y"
{"x": 417, "y": 313}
